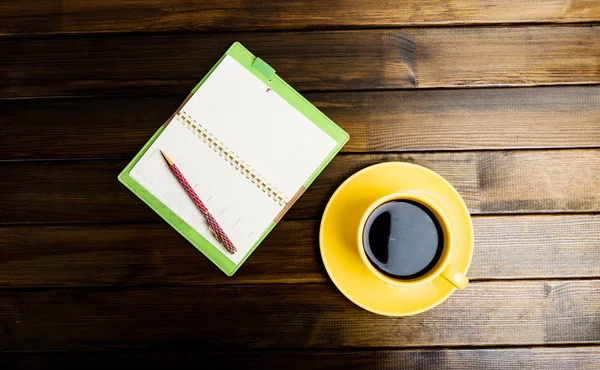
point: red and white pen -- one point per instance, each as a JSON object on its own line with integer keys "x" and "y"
{"x": 210, "y": 220}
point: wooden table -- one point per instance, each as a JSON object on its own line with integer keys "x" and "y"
{"x": 500, "y": 97}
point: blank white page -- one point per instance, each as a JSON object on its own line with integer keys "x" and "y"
{"x": 240, "y": 207}
{"x": 265, "y": 131}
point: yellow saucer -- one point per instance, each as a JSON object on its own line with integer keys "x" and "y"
{"x": 338, "y": 237}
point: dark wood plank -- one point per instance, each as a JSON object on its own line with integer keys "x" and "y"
{"x": 513, "y": 247}
{"x": 294, "y": 316}
{"x": 68, "y": 16}
{"x": 490, "y": 182}
{"x": 138, "y": 254}
{"x": 535, "y": 246}
{"x": 507, "y": 56}
{"x": 561, "y": 358}
{"x": 173, "y": 64}
{"x": 92, "y": 128}
{"x": 427, "y": 57}
{"x": 460, "y": 119}
{"x": 68, "y": 191}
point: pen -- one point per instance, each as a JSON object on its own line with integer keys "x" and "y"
{"x": 210, "y": 220}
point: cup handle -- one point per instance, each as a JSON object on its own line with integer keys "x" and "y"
{"x": 455, "y": 277}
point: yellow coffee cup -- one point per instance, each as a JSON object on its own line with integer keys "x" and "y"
{"x": 442, "y": 268}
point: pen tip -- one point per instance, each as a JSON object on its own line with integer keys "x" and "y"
{"x": 167, "y": 159}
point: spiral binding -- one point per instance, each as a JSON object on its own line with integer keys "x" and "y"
{"x": 229, "y": 156}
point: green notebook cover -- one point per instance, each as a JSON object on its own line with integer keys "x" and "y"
{"x": 267, "y": 75}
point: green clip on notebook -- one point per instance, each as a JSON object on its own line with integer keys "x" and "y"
{"x": 249, "y": 145}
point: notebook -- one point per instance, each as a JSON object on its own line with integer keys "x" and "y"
{"x": 247, "y": 143}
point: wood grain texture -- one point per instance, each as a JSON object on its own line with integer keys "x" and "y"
{"x": 513, "y": 247}
{"x": 80, "y": 128}
{"x": 490, "y": 182}
{"x": 173, "y": 64}
{"x": 379, "y": 59}
{"x": 535, "y": 246}
{"x": 507, "y": 56}
{"x": 561, "y": 358}
{"x": 294, "y": 316}
{"x": 459, "y": 119}
{"x": 91, "y": 255}
{"x": 71, "y": 16}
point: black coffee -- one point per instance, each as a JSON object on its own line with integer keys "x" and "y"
{"x": 403, "y": 239}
